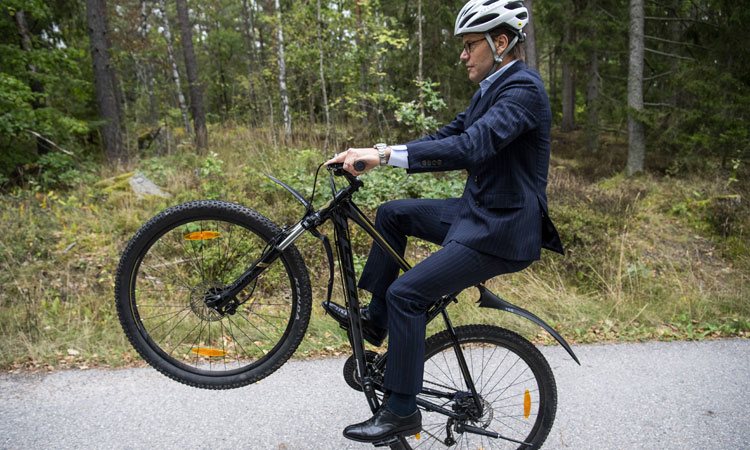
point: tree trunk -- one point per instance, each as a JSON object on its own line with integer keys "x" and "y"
{"x": 286, "y": 114}
{"x": 532, "y": 60}
{"x": 191, "y": 67}
{"x": 34, "y": 83}
{"x": 568, "y": 84}
{"x": 636, "y": 129}
{"x": 147, "y": 67}
{"x": 420, "y": 71}
{"x": 592, "y": 104}
{"x": 167, "y": 33}
{"x": 249, "y": 33}
{"x": 105, "y": 82}
{"x": 323, "y": 80}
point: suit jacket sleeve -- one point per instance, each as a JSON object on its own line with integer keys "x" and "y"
{"x": 508, "y": 117}
{"x": 452, "y": 129}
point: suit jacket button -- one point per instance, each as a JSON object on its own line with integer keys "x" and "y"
{"x": 476, "y": 203}
{"x": 476, "y": 179}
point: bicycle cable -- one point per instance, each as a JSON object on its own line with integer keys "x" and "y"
{"x": 315, "y": 183}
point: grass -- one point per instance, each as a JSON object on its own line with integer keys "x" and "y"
{"x": 650, "y": 257}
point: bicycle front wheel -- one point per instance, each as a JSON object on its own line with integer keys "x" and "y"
{"x": 514, "y": 382}
{"x": 177, "y": 261}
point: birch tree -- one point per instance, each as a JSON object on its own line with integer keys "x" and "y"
{"x": 323, "y": 79}
{"x": 167, "y": 34}
{"x": 286, "y": 114}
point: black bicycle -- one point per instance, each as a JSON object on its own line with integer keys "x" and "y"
{"x": 214, "y": 295}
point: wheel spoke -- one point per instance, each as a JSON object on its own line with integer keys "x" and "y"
{"x": 504, "y": 367}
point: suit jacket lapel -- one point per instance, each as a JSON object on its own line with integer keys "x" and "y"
{"x": 479, "y": 104}
{"x": 472, "y": 106}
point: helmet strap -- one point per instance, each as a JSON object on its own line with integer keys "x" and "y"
{"x": 498, "y": 58}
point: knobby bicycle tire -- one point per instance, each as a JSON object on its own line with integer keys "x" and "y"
{"x": 513, "y": 379}
{"x": 188, "y": 252}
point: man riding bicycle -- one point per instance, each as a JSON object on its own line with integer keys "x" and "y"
{"x": 497, "y": 226}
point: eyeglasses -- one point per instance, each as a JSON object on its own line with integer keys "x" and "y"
{"x": 468, "y": 46}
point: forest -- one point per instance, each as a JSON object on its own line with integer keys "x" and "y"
{"x": 648, "y": 181}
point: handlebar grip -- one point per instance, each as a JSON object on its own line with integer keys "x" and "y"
{"x": 359, "y": 166}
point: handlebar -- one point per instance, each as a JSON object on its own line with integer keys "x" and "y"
{"x": 338, "y": 170}
{"x": 359, "y": 166}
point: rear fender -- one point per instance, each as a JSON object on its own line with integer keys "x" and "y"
{"x": 488, "y": 299}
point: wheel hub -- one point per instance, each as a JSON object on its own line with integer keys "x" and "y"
{"x": 202, "y": 294}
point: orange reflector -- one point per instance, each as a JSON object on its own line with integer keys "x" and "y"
{"x": 202, "y": 236}
{"x": 526, "y": 404}
{"x": 210, "y": 352}
{"x": 418, "y": 436}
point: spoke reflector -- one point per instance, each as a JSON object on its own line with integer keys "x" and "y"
{"x": 526, "y": 404}
{"x": 202, "y": 236}
{"x": 210, "y": 352}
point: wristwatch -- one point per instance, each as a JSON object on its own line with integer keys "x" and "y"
{"x": 380, "y": 147}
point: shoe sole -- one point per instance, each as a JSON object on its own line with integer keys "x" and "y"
{"x": 386, "y": 438}
{"x": 368, "y": 337}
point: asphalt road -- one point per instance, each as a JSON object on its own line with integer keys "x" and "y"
{"x": 636, "y": 396}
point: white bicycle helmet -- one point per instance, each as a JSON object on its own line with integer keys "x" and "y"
{"x": 480, "y": 16}
{"x": 483, "y": 16}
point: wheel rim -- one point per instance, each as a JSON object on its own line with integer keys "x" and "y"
{"x": 191, "y": 260}
{"x": 510, "y": 393}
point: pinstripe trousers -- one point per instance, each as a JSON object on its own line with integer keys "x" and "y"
{"x": 400, "y": 303}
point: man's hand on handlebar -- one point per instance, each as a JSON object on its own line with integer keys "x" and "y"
{"x": 351, "y": 157}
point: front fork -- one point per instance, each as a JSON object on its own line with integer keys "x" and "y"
{"x": 226, "y": 301}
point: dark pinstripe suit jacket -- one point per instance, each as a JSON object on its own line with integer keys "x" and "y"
{"x": 503, "y": 141}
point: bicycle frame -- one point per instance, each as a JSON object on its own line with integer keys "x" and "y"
{"x": 340, "y": 210}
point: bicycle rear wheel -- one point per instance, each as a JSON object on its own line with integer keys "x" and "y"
{"x": 179, "y": 259}
{"x": 515, "y": 384}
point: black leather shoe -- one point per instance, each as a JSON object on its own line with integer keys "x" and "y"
{"x": 383, "y": 425}
{"x": 371, "y": 332}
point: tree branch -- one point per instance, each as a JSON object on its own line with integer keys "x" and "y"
{"x": 666, "y": 105}
{"x": 654, "y": 38}
{"x": 671, "y": 55}
{"x": 681, "y": 19}
{"x": 39, "y": 136}
{"x": 654, "y": 77}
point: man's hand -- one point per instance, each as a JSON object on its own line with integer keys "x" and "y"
{"x": 369, "y": 156}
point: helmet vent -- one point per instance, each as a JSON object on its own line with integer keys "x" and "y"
{"x": 514, "y": 5}
{"x": 523, "y": 16}
{"x": 467, "y": 18}
{"x": 485, "y": 19}
{"x": 489, "y": 2}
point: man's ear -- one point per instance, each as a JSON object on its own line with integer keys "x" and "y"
{"x": 501, "y": 43}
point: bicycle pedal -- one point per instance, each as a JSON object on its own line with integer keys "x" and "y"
{"x": 387, "y": 442}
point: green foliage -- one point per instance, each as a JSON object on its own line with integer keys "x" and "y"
{"x": 415, "y": 115}
{"x": 60, "y": 171}
{"x": 212, "y": 177}
{"x": 16, "y": 113}
{"x": 626, "y": 275}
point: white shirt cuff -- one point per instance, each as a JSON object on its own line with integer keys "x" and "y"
{"x": 399, "y": 156}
